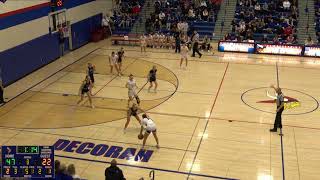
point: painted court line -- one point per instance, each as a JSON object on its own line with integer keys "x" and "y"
{"x": 205, "y": 128}
{"x": 281, "y": 134}
{"x": 95, "y": 139}
{"x": 188, "y": 144}
{"x": 149, "y": 168}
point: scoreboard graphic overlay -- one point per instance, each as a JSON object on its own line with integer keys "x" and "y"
{"x": 27, "y": 161}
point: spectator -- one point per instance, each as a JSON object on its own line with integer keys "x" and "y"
{"x": 257, "y": 7}
{"x": 57, "y": 166}
{"x": 106, "y": 26}
{"x": 72, "y": 172}
{"x": 61, "y": 40}
{"x": 206, "y": 44}
{"x": 264, "y": 39}
{"x": 205, "y": 15}
{"x": 113, "y": 172}
{"x": 265, "y": 7}
{"x": 288, "y": 31}
{"x": 276, "y": 39}
{"x": 203, "y": 4}
{"x": 1, "y": 92}
{"x": 62, "y": 173}
{"x": 308, "y": 41}
{"x": 191, "y": 14}
{"x": 286, "y": 5}
{"x": 290, "y": 39}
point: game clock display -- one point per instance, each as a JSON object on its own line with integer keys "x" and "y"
{"x": 27, "y": 161}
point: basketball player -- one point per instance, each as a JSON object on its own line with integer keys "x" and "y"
{"x": 156, "y": 40}
{"x": 150, "y": 41}
{"x": 131, "y": 85}
{"x": 90, "y": 71}
{"x": 184, "y": 54}
{"x": 152, "y": 78}
{"x": 120, "y": 58}
{"x": 280, "y": 108}
{"x": 148, "y": 124}
{"x": 133, "y": 111}
{"x": 85, "y": 88}
{"x": 143, "y": 43}
{"x": 113, "y": 61}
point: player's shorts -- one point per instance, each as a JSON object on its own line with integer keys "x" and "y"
{"x": 132, "y": 94}
{"x": 152, "y": 79}
{"x": 119, "y": 60}
{"x": 133, "y": 113}
{"x": 83, "y": 91}
{"x": 151, "y": 130}
{"x": 184, "y": 56}
{"x": 91, "y": 78}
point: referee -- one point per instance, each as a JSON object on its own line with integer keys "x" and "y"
{"x": 195, "y": 40}
{"x": 280, "y": 108}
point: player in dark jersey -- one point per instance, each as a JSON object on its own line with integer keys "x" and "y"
{"x": 152, "y": 78}
{"x": 85, "y": 89}
{"x": 90, "y": 71}
{"x": 133, "y": 111}
{"x": 120, "y": 58}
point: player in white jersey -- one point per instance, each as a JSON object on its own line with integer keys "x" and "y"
{"x": 131, "y": 85}
{"x": 156, "y": 40}
{"x": 149, "y": 126}
{"x": 184, "y": 54}
{"x": 143, "y": 43}
{"x": 150, "y": 41}
{"x": 113, "y": 62}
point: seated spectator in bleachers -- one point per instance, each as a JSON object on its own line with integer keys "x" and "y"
{"x": 286, "y": 5}
{"x": 308, "y": 41}
{"x": 113, "y": 172}
{"x": 62, "y": 174}
{"x": 291, "y": 39}
{"x": 205, "y": 15}
{"x": 253, "y": 18}
{"x": 265, "y": 39}
{"x": 72, "y": 172}
{"x": 276, "y": 40}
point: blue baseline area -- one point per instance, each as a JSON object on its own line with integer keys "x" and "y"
{"x": 22, "y": 60}
{"x": 149, "y": 168}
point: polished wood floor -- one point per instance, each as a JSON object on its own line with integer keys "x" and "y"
{"x": 211, "y": 124}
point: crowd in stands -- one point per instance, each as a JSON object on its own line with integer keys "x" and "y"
{"x": 267, "y": 21}
{"x": 173, "y": 15}
{"x": 63, "y": 172}
{"x": 125, "y": 12}
{"x": 317, "y": 18}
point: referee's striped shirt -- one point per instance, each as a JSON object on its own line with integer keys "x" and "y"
{"x": 195, "y": 38}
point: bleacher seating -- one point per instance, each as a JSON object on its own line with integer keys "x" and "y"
{"x": 200, "y": 16}
{"x": 267, "y": 20}
{"x": 317, "y": 18}
{"x": 125, "y": 14}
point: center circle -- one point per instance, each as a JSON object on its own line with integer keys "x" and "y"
{"x": 257, "y": 99}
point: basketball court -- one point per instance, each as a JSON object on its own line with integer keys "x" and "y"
{"x": 213, "y": 117}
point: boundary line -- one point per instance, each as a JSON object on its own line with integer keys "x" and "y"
{"x": 149, "y": 168}
{"x": 205, "y": 128}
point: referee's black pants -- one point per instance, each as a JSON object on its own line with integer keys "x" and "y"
{"x": 196, "y": 49}
{"x": 278, "y": 120}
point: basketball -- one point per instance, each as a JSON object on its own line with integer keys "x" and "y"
{"x": 140, "y": 136}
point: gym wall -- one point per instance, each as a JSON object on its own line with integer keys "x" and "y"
{"x": 25, "y": 41}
